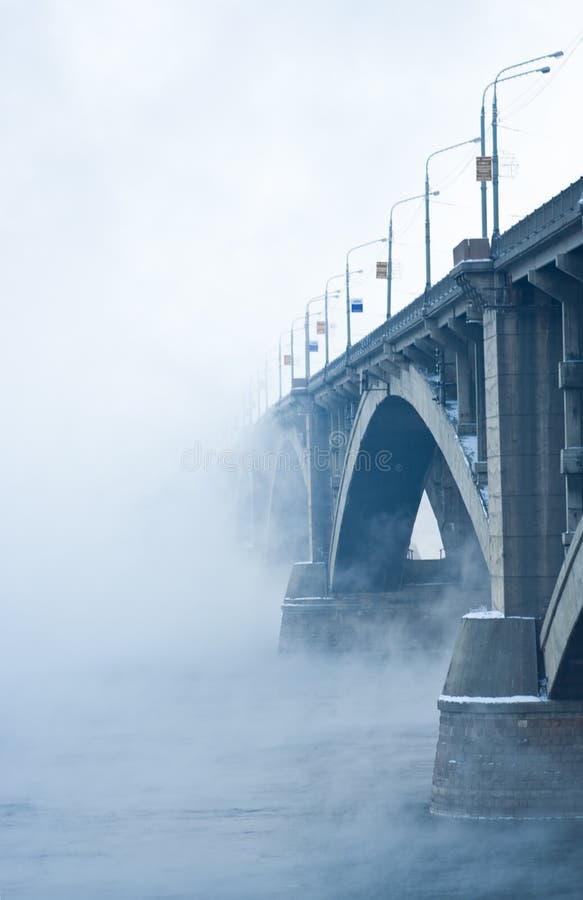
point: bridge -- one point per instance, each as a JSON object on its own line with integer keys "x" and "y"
{"x": 473, "y": 394}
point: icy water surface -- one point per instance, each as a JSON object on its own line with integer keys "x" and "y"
{"x": 261, "y": 778}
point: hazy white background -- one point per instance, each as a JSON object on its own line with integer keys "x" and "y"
{"x": 176, "y": 179}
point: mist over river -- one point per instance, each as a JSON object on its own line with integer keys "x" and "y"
{"x": 178, "y": 179}
{"x": 250, "y": 778}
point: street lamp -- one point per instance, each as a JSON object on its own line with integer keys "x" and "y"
{"x": 258, "y": 395}
{"x": 323, "y": 297}
{"x": 326, "y": 295}
{"x": 291, "y": 346}
{"x": 280, "y": 372}
{"x": 357, "y": 247}
{"x": 483, "y": 184}
{"x": 526, "y": 62}
{"x": 266, "y": 383}
{"x": 251, "y": 403}
{"x": 390, "y": 259}
{"x": 427, "y": 195}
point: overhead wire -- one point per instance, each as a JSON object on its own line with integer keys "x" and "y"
{"x": 412, "y": 219}
{"x": 465, "y": 164}
{"x": 515, "y": 106}
{"x": 533, "y": 91}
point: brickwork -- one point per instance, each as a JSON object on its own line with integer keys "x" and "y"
{"x": 509, "y": 759}
{"x": 418, "y": 615}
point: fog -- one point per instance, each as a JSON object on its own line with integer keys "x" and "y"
{"x": 177, "y": 180}
{"x": 253, "y": 779}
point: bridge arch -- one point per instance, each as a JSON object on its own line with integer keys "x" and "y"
{"x": 390, "y": 450}
{"x": 562, "y": 629}
{"x": 286, "y": 515}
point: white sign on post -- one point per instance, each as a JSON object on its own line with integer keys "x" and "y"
{"x": 483, "y": 168}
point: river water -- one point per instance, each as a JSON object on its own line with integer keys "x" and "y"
{"x": 251, "y": 778}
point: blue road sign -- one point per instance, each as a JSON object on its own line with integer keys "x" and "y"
{"x": 357, "y": 306}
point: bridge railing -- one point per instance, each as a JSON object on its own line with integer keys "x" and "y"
{"x": 561, "y": 212}
{"x": 413, "y": 313}
{"x": 546, "y": 221}
{"x": 408, "y": 317}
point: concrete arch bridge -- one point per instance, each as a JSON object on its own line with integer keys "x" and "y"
{"x": 472, "y": 394}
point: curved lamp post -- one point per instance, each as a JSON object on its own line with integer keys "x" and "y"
{"x": 348, "y": 273}
{"x": 258, "y": 395}
{"x": 526, "y": 62}
{"x": 427, "y": 195}
{"x": 266, "y": 382}
{"x": 390, "y": 259}
{"x": 291, "y": 345}
{"x": 326, "y": 296}
{"x": 323, "y": 297}
{"x": 280, "y": 362}
{"x": 483, "y": 184}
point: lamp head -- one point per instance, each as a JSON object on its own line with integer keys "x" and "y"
{"x": 557, "y": 54}
{"x": 434, "y": 194}
{"x": 545, "y": 70}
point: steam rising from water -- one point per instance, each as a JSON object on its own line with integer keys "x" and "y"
{"x": 256, "y": 778}
{"x": 152, "y": 744}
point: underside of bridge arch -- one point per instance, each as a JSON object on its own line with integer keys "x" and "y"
{"x": 562, "y": 629}
{"x": 568, "y": 681}
{"x": 459, "y": 541}
{"x": 287, "y": 527}
{"x": 396, "y": 460}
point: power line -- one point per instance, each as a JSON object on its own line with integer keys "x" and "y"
{"x": 533, "y": 92}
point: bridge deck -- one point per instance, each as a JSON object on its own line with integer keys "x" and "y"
{"x": 544, "y": 225}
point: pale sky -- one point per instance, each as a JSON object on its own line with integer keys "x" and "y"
{"x": 181, "y": 177}
{"x": 178, "y": 178}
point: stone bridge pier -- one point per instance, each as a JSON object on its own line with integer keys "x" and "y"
{"x": 472, "y": 396}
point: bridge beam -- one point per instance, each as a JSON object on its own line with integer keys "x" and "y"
{"x": 570, "y": 264}
{"x": 450, "y": 340}
{"x": 466, "y": 397}
{"x": 429, "y": 347}
{"x": 419, "y": 357}
{"x": 555, "y": 283}
{"x": 473, "y": 334}
{"x": 380, "y": 373}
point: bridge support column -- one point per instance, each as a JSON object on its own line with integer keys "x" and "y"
{"x": 503, "y": 749}
{"x": 308, "y": 614}
{"x": 497, "y": 743}
{"x": 319, "y": 482}
{"x": 509, "y": 759}
{"x": 564, "y": 283}
{"x": 480, "y": 382}
{"x": 571, "y": 382}
{"x": 466, "y": 408}
{"x": 464, "y": 377}
{"x": 473, "y": 336}
{"x": 524, "y": 422}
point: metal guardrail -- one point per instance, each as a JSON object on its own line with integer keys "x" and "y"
{"x": 548, "y": 220}
{"x": 545, "y": 222}
{"x": 442, "y": 292}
